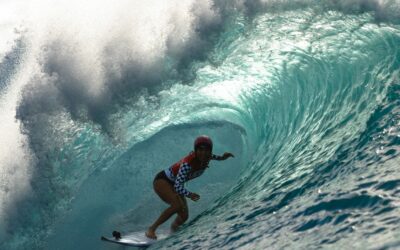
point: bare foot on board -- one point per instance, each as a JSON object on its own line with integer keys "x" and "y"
{"x": 173, "y": 227}
{"x": 151, "y": 234}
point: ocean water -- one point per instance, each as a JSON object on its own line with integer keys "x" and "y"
{"x": 97, "y": 97}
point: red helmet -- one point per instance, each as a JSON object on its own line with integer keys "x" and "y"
{"x": 203, "y": 141}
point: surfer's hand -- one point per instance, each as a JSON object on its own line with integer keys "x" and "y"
{"x": 227, "y": 155}
{"x": 194, "y": 197}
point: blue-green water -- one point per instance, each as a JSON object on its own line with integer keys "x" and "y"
{"x": 95, "y": 100}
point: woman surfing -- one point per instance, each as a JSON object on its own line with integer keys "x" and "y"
{"x": 169, "y": 183}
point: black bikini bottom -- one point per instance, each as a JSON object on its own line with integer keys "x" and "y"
{"x": 163, "y": 176}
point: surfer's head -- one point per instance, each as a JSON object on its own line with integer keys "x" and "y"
{"x": 203, "y": 141}
{"x": 203, "y": 148}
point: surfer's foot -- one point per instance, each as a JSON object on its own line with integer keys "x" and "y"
{"x": 174, "y": 227}
{"x": 151, "y": 234}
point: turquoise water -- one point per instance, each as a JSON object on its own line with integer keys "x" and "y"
{"x": 305, "y": 94}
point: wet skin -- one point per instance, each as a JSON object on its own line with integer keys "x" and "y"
{"x": 178, "y": 204}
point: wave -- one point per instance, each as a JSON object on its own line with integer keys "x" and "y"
{"x": 304, "y": 93}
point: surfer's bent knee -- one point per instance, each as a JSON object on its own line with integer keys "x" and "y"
{"x": 178, "y": 208}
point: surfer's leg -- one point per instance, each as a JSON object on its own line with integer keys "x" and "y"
{"x": 182, "y": 216}
{"x": 167, "y": 193}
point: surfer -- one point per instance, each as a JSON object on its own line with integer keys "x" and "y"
{"x": 169, "y": 183}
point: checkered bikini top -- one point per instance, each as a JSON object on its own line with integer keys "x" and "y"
{"x": 181, "y": 172}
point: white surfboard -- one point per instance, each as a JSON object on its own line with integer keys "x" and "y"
{"x": 136, "y": 239}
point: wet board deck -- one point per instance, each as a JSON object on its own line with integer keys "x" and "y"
{"x": 136, "y": 239}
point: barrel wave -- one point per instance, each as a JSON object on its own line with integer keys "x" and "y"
{"x": 96, "y": 98}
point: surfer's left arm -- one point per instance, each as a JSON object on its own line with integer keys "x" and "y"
{"x": 225, "y": 156}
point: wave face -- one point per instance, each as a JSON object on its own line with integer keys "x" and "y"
{"x": 96, "y": 98}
